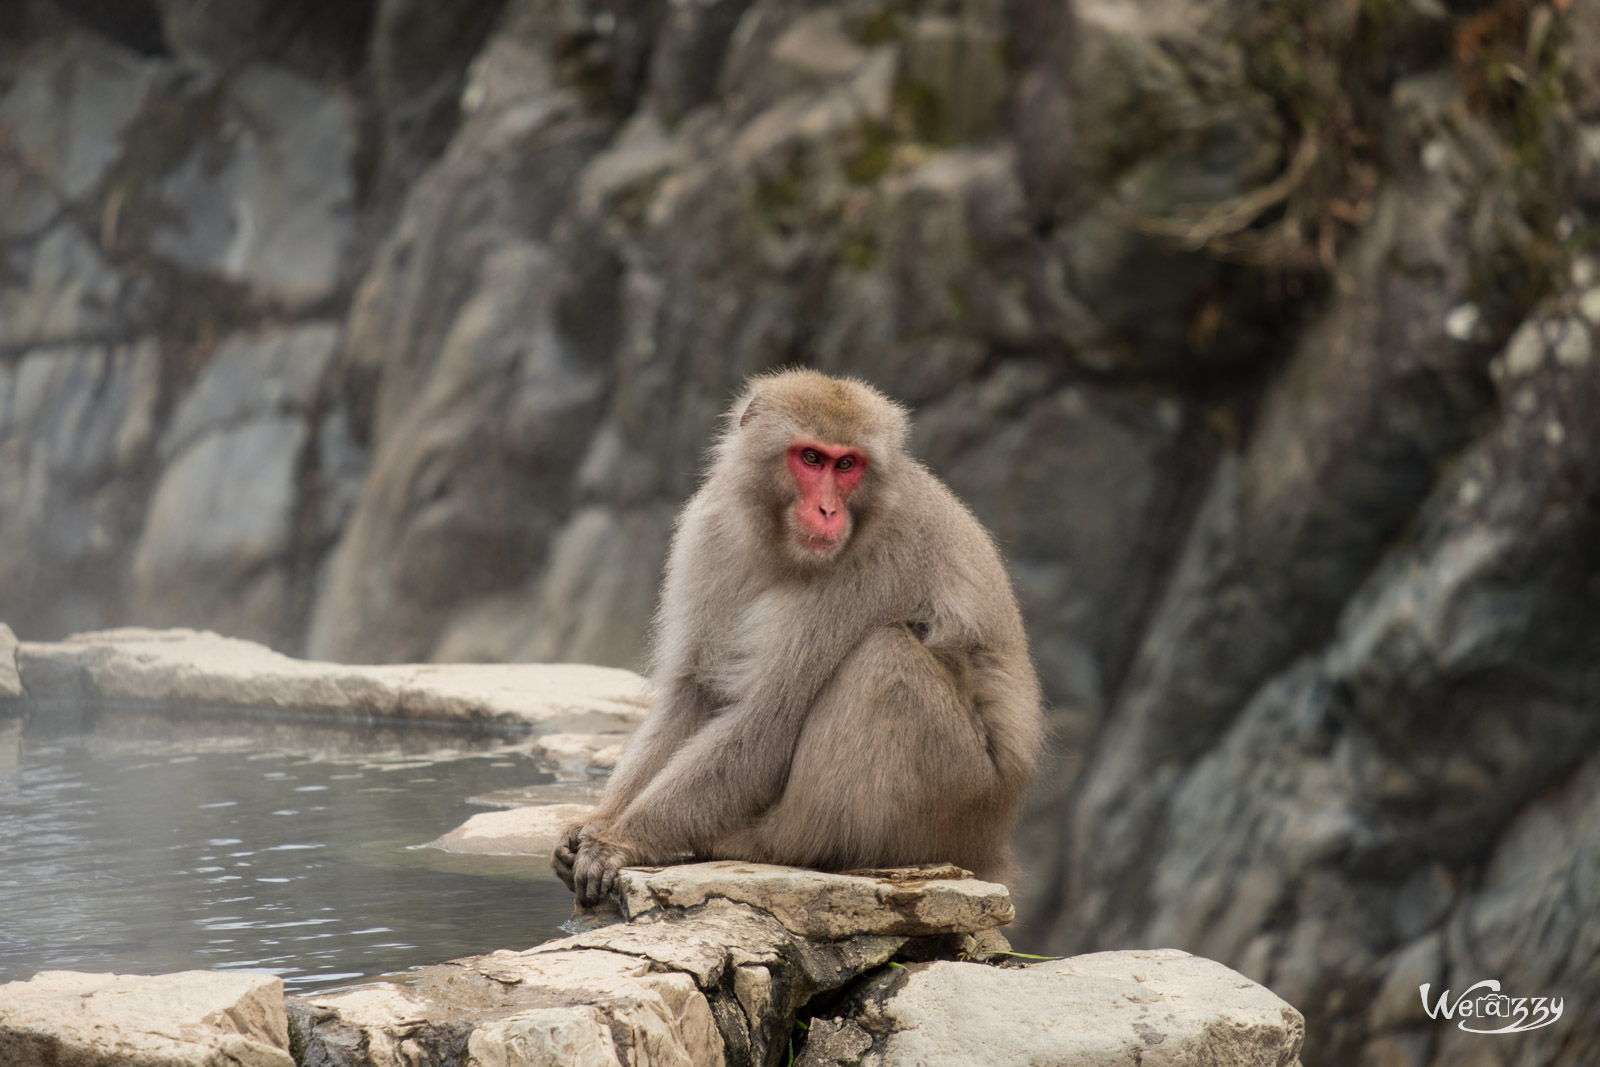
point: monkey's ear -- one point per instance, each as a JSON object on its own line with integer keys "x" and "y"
{"x": 749, "y": 410}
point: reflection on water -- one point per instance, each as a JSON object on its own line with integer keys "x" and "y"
{"x": 149, "y": 844}
{"x": 10, "y": 746}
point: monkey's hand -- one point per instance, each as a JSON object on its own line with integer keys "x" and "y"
{"x": 566, "y": 853}
{"x": 594, "y": 872}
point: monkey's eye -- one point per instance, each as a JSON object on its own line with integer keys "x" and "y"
{"x": 844, "y": 464}
{"x": 811, "y": 458}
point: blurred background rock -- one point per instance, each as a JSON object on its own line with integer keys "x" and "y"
{"x": 1262, "y": 335}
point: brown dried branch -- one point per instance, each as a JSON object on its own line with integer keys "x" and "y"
{"x": 1229, "y": 217}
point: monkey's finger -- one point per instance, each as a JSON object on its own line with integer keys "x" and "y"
{"x": 589, "y": 891}
{"x": 586, "y": 882}
{"x": 608, "y": 877}
{"x": 562, "y": 861}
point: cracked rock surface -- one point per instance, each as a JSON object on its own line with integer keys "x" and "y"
{"x": 713, "y": 966}
{"x": 719, "y": 960}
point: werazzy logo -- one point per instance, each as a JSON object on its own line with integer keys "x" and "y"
{"x": 1517, "y": 1014}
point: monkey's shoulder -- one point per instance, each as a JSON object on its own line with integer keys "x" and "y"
{"x": 932, "y": 516}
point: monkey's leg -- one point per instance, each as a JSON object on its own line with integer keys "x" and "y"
{"x": 892, "y": 768}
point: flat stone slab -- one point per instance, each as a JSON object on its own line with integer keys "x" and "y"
{"x": 518, "y": 832}
{"x": 198, "y": 1018}
{"x": 1161, "y": 1008}
{"x": 907, "y": 902}
{"x": 188, "y": 667}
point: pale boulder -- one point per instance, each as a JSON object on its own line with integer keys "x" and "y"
{"x": 1158, "y": 1008}
{"x": 189, "y": 1019}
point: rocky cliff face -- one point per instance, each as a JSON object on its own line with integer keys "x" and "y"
{"x": 1263, "y": 340}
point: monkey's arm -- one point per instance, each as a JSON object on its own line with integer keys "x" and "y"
{"x": 1007, "y": 703}
{"x": 679, "y": 711}
{"x": 690, "y": 594}
{"x": 725, "y": 774}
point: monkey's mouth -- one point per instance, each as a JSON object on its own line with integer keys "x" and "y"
{"x": 816, "y": 544}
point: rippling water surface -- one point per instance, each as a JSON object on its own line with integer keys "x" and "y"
{"x": 139, "y": 843}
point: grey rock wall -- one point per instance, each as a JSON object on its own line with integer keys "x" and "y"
{"x": 1262, "y": 339}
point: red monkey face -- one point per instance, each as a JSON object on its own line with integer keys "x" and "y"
{"x": 826, "y": 475}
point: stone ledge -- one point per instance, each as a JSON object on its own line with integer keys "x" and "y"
{"x": 819, "y": 905}
{"x": 194, "y": 668}
{"x": 719, "y": 982}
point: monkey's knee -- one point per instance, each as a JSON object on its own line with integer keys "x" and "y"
{"x": 888, "y": 757}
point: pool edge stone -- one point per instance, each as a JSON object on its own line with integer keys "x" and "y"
{"x": 204, "y": 669}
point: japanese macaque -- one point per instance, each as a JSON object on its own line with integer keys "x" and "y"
{"x": 842, "y": 675}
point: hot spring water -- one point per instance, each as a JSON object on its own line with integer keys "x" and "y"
{"x": 145, "y": 843}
